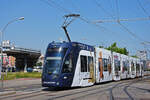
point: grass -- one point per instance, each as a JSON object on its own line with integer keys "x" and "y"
{"x": 17, "y": 75}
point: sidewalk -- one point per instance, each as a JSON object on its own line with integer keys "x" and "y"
{"x": 17, "y": 83}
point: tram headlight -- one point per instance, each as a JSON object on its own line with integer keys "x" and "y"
{"x": 65, "y": 77}
{"x": 57, "y": 83}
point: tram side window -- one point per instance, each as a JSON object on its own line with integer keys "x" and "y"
{"x": 99, "y": 63}
{"x": 137, "y": 67}
{"x": 132, "y": 66}
{"x": 117, "y": 65}
{"x": 109, "y": 65}
{"x": 142, "y": 67}
{"x": 83, "y": 63}
{"x": 90, "y": 63}
{"x": 67, "y": 67}
{"x": 105, "y": 64}
{"x": 125, "y": 66}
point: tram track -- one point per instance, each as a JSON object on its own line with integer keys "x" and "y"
{"x": 112, "y": 97}
{"x": 111, "y": 91}
{"x": 125, "y": 89}
{"x": 62, "y": 96}
{"x": 88, "y": 92}
{"x": 22, "y": 93}
{"x": 147, "y": 90}
{"x": 93, "y": 93}
{"x": 78, "y": 93}
{"x": 104, "y": 90}
{"x": 29, "y": 96}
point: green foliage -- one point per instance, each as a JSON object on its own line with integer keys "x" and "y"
{"x": 39, "y": 64}
{"x": 147, "y": 70}
{"x": 134, "y": 56}
{"x": 16, "y": 75}
{"x": 101, "y": 46}
{"x": 114, "y": 48}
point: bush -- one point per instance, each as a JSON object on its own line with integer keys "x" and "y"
{"x": 16, "y": 75}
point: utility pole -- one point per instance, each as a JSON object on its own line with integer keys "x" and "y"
{"x": 2, "y": 33}
{"x": 67, "y": 23}
{"x": 145, "y": 44}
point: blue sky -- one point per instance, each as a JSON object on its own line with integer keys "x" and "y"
{"x": 43, "y": 20}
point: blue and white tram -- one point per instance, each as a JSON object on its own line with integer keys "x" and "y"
{"x": 68, "y": 64}
{"x": 73, "y": 64}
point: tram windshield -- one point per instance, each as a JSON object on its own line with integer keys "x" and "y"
{"x": 54, "y": 56}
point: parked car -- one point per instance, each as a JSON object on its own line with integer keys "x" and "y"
{"x": 11, "y": 69}
{"x": 37, "y": 69}
{"x": 4, "y": 69}
{"x": 29, "y": 69}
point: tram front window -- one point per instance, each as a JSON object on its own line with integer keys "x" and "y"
{"x": 53, "y": 66}
{"x": 56, "y": 52}
{"x": 54, "y": 57}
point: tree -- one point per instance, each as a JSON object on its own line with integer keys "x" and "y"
{"x": 39, "y": 64}
{"x": 114, "y": 48}
{"x": 134, "y": 56}
{"x": 101, "y": 46}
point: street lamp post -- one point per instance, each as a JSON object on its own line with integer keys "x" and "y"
{"x": 1, "y": 33}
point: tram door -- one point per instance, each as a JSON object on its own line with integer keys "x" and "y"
{"x": 117, "y": 66}
{"x": 87, "y": 70}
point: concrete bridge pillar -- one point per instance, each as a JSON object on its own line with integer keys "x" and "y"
{"x": 25, "y": 62}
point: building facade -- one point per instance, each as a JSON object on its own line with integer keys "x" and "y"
{"x": 7, "y": 61}
{"x": 142, "y": 55}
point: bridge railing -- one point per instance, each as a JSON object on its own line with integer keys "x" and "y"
{"x": 19, "y": 49}
{"x": 27, "y": 50}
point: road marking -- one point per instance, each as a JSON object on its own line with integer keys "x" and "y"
{"x": 7, "y": 93}
{"x": 9, "y": 89}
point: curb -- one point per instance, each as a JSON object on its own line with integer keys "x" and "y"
{"x": 28, "y": 79}
{"x": 7, "y": 93}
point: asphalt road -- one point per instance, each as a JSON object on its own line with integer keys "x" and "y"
{"x": 133, "y": 89}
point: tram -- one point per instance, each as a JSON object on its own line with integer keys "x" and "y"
{"x": 74, "y": 64}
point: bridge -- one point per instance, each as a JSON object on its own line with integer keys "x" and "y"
{"x": 24, "y": 57}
